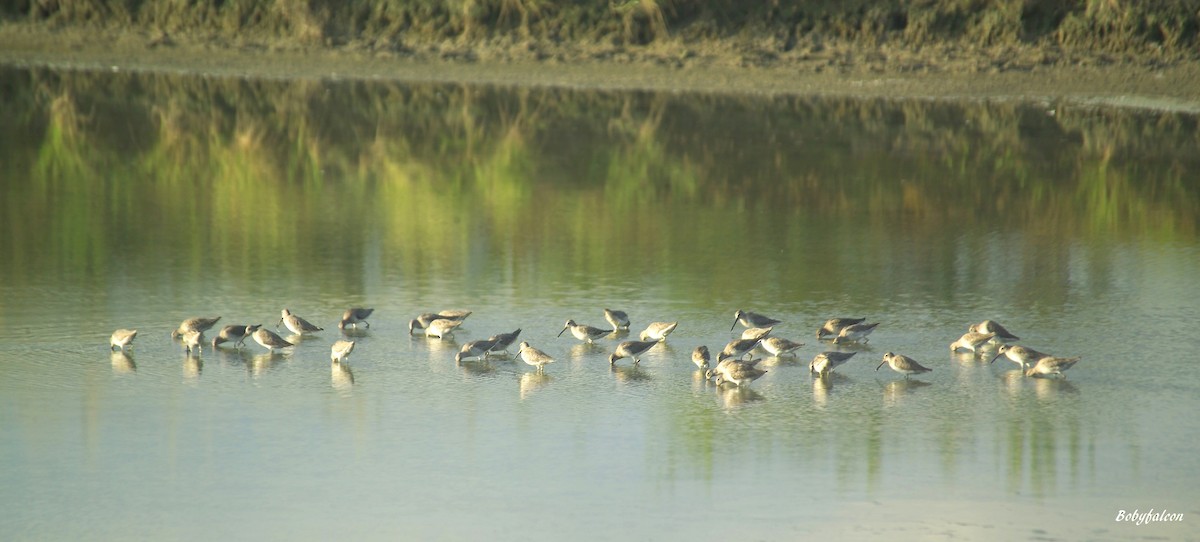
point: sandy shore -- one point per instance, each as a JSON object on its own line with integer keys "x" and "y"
{"x": 941, "y": 75}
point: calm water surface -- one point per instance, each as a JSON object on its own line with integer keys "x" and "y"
{"x": 137, "y": 201}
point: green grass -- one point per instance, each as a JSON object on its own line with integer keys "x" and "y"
{"x": 1169, "y": 28}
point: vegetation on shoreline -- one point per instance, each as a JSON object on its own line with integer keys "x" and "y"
{"x": 1011, "y": 33}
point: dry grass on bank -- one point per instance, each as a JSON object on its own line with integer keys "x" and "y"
{"x": 673, "y": 31}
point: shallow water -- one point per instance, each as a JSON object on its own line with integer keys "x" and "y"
{"x": 135, "y": 201}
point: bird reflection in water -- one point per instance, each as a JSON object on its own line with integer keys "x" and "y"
{"x": 445, "y": 346}
{"x": 192, "y": 366}
{"x": 1012, "y": 382}
{"x": 733, "y": 396}
{"x": 340, "y": 376}
{"x": 630, "y": 373}
{"x": 665, "y": 350}
{"x": 475, "y": 367}
{"x": 781, "y": 361}
{"x": 232, "y": 356}
{"x": 122, "y": 363}
{"x": 355, "y": 332}
{"x": 263, "y": 362}
{"x": 1046, "y": 389}
{"x": 582, "y": 350}
{"x": 532, "y": 382}
{"x": 895, "y": 390}
{"x": 823, "y": 384}
{"x": 967, "y": 358}
{"x": 297, "y": 339}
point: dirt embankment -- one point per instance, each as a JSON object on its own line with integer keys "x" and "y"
{"x": 1138, "y": 52}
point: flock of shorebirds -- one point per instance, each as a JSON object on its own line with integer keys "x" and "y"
{"x": 731, "y": 365}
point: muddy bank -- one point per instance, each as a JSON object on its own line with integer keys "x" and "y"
{"x": 950, "y": 69}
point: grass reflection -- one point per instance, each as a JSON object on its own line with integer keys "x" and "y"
{"x": 1044, "y": 436}
{"x": 240, "y": 174}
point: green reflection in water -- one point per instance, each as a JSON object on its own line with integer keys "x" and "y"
{"x": 246, "y": 173}
{"x": 234, "y": 177}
